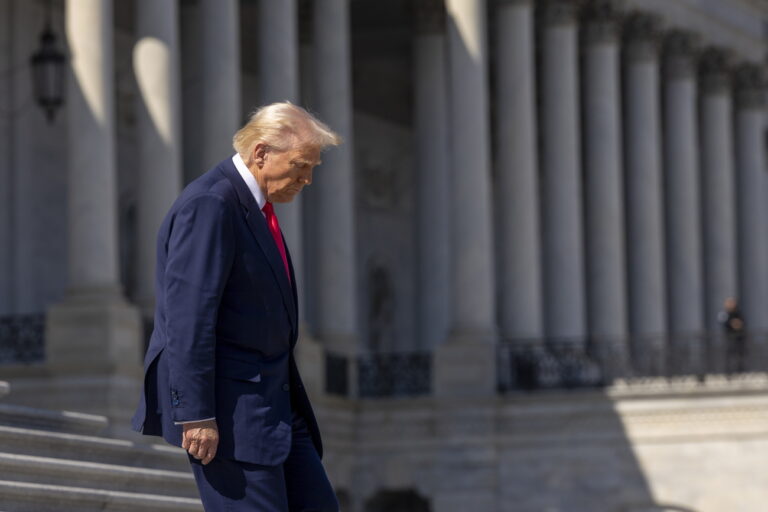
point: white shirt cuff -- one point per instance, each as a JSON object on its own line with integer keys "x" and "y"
{"x": 192, "y": 421}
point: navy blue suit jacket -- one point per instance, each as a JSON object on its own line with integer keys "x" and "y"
{"x": 226, "y": 323}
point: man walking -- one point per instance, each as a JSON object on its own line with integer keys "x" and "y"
{"x": 220, "y": 377}
{"x": 735, "y": 336}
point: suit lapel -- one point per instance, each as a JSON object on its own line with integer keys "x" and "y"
{"x": 294, "y": 293}
{"x": 257, "y": 225}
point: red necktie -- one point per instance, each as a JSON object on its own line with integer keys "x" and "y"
{"x": 274, "y": 228}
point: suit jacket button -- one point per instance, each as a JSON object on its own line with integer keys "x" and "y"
{"x": 286, "y": 387}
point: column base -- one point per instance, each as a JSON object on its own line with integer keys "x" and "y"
{"x": 94, "y": 332}
{"x": 93, "y": 359}
{"x": 465, "y": 365}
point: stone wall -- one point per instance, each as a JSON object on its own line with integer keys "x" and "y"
{"x": 697, "y": 447}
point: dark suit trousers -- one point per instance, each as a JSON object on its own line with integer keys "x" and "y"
{"x": 297, "y": 485}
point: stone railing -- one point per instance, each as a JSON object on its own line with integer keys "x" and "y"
{"x": 22, "y": 338}
{"x": 391, "y": 374}
{"x": 527, "y": 365}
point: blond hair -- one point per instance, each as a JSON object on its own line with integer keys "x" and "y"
{"x": 283, "y": 126}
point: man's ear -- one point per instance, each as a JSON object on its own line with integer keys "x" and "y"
{"x": 259, "y": 154}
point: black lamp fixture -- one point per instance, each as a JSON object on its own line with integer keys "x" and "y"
{"x": 48, "y": 67}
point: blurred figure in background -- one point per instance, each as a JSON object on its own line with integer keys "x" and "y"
{"x": 735, "y": 335}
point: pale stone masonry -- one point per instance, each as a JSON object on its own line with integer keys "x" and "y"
{"x": 473, "y": 328}
{"x": 334, "y": 191}
{"x": 752, "y": 210}
{"x": 646, "y": 297}
{"x": 604, "y": 180}
{"x": 431, "y": 121}
{"x": 156, "y": 64}
{"x": 717, "y": 182}
{"x": 582, "y": 180}
{"x": 681, "y": 186}
{"x": 221, "y": 109}
{"x": 517, "y": 181}
{"x": 561, "y": 184}
{"x": 93, "y": 334}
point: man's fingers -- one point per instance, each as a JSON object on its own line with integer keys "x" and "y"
{"x": 201, "y": 443}
{"x": 185, "y": 441}
{"x": 201, "y": 449}
{"x": 193, "y": 448}
{"x": 209, "y": 457}
{"x": 211, "y": 445}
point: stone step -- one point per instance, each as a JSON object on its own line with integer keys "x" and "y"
{"x": 111, "y": 477}
{"x": 34, "y": 497}
{"x": 42, "y": 443}
{"x": 58, "y": 421}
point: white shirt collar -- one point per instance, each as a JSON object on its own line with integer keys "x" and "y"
{"x": 253, "y": 186}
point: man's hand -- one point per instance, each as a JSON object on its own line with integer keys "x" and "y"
{"x": 201, "y": 439}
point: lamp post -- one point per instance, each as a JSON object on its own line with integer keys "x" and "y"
{"x": 48, "y": 72}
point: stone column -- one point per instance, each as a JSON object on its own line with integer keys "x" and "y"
{"x": 279, "y": 81}
{"x": 464, "y": 364}
{"x": 309, "y": 352}
{"x": 562, "y": 231}
{"x": 518, "y": 242}
{"x": 517, "y": 187}
{"x": 306, "y": 52}
{"x": 333, "y": 190}
{"x": 156, "y": 65}
{"x": 717, "y": 194}
{"x": 431, "y": 122}
{"x": 751, "y": 209}
{"x": 643, "y": 193}
{"x": 220, "y": 46}
{"x": 308, "y": 201}
{"x": 9, "y": 95}
{"x": 278, "y": 51}
{"x": 603, "y": 182}
{"x": 93, "y": 334}
{"x": 683, "y": 224}
{"x": 190, "y": 46}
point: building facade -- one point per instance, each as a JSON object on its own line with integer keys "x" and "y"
{"x": 511, "y": 270}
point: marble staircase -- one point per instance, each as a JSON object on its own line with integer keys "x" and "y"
{"x": 60, "y": 461}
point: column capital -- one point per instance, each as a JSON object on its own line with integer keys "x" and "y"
{"x": 680, "y": 52}
{"x": 501, "y": 3}
{"x": 750, "y": 82}
{"x": 601, "y": 21}
{"x": 558, "y": 12}
{"x": 429, "y": 16}
{"x": 714, "y": 70}
{"x": 642, "y": 35}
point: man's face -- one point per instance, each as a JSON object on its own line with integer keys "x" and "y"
{"x": 283, "y": 174}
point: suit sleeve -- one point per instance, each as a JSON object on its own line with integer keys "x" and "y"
{"x": 201, "y": 249}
